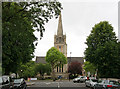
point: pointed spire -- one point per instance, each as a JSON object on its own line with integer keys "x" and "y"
{"x": 60, "y": 29}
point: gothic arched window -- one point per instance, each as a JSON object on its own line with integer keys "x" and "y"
{"x": 59, "y": 48}
{"x": 59, "y": 39}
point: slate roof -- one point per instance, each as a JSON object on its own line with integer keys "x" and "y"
{"x": 41, "y": 59}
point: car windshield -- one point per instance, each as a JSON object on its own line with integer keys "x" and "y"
{"x": 17, "y": 80}
{"x": 106, "y": 82}
{"x": 82, "y": 77}
{"x": 79, "y": 77}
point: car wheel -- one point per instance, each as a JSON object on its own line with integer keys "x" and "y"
{"x": 78, "y": 81}
{"x": 90, "y": 86}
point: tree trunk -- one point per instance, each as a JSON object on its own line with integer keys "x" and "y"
{"x": 53, "y": 74}
{"x": 16, "y": 75}
{"x": 6, "y": 72}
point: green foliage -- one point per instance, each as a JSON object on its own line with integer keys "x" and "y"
{"x": 17, "y": 37}
{"x": 55, "y": 58}
{"x": 102, "y": 49}
{"x": 43, "y": 68}
{"x": 27, "y": 70}
{"x": 18, "y": 21}
{"x": 89, "y": 67}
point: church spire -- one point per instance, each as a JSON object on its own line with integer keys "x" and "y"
{"x": 60, "y": 29}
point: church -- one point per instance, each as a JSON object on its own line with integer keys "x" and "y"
{"x": 61, "y": 45}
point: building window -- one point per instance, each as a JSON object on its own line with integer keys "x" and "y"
{"x": 59, "y": 69}
{"x": 62, "y": 68}
{"x": 60, "y": 40}
{"x": 59, "y": 48}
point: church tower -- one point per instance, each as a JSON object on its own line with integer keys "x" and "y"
{"x": 60, "y": 44}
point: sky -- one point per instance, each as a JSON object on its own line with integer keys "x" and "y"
{"x": 78, "y": 18}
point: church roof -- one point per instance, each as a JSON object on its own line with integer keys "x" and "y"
{"x": 70, "y": 59}
{"x": 75, "y": 59}
{"x": 60, "y": 28}
{"x": 40, "y": 60}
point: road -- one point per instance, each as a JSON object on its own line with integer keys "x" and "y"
{"x": 57, "y": 84}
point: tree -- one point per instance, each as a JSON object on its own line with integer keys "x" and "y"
{"x": 102, "y": 49}
{"x": 55, "y": 58}
{"x": 43, "y": 68}
{"x": 27, "y": 70}
{"x": 75, "y": 68}
{"x": 89, "y": 67}
{"x": 18, "y": 21}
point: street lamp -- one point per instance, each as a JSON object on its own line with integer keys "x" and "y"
{"x": 21, "y": 73}
{"x": 70, "y": 56}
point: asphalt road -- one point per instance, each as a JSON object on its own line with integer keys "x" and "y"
{"x": 57, "y": 84}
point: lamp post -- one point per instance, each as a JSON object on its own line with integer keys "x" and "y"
{"x": 70, "y": 56}
{"x": 69, "y": 65}
{"x": 21, "y": 73}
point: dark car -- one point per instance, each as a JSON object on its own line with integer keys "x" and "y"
{"x": 20, "y": 84}
{"x": 5, "y": 82}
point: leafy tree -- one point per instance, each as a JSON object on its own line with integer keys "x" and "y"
{"x": 18, "y": 21}
{"x": 75, "y": 68}
{"x": 27, "y": 70}
{"x": 102, "y": 49}
{"x": 116, "y": 66}
{"x": 43, "y": 68}
{"x": 55, "y": 58}
{"x": 89, "y": 67}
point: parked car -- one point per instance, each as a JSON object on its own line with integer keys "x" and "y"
{"x": 107, "y": 84}
{"x": 83, "y": 79}
{"x": 4, "y": 82}
{"x": 20, "y": 84}
{"x": 77, "y": 79}
{"x": 91, "y": 83}
{"x": 80, "y": 79}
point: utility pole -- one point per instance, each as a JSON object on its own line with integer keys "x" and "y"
{"x": 70, "y": 57}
